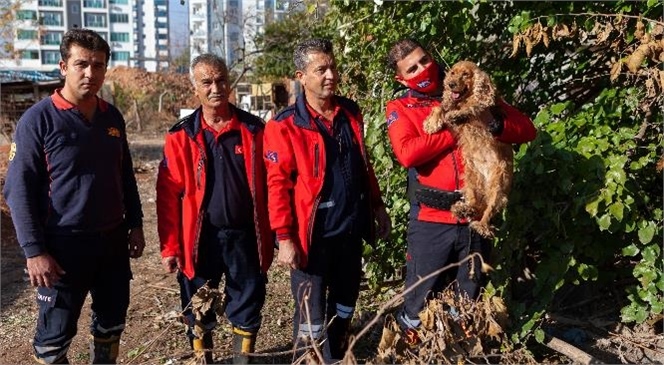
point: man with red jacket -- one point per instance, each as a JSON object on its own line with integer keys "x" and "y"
{"x": 212, "y": 208}
{"x": 324, "y": 198}
{"x": 435, "y": 237}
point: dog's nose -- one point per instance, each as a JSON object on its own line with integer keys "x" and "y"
{"x": 452, "y": 85}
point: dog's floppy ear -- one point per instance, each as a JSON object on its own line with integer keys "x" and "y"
{"x": 483, "y": 89}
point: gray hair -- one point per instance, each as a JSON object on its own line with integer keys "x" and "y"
{"x": 302, "y": 50}
{"x": 207, "y": 59}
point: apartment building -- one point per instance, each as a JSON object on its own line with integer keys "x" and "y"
{"x": 137, "y": 31}
{"x": 229, "y": 27}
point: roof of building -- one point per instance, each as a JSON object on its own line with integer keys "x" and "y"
{"x": 28, "y": 75}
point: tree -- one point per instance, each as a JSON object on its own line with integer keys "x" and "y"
{"x": 8, "y": 9}
{"x": 279, "y": 40}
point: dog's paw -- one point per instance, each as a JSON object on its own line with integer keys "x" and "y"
{"x": 462, "y": 210}
{"x": 484, "y": 230}
{"x": 430, "y": 126}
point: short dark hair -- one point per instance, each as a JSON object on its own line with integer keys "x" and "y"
{"x": 86, "y": 38}
{"x": 400, "y": 50}
{"x": 316, "y": 45}
{"x": 210, "y": 59}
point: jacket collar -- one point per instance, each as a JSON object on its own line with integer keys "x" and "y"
{"x": 303, "y": 117}
{"x": 192, "y": 123}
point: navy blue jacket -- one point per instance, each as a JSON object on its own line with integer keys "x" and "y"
{"x": 69, "y": 176}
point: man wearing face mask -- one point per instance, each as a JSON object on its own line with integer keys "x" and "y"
{"x": 435, "y": 237}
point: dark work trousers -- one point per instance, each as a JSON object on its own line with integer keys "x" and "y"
{"x": 233, "y": 253}
{"x": 94, "y": 263}
{"x": 431, "y": 246}
{"x": 330, "y": 284}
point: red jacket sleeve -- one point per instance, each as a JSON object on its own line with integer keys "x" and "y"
{"x": 517, "y": 128}
{"x": 170, "y": 189}
{"x": 410, "y": 144}
{"x": 280, "y": 169}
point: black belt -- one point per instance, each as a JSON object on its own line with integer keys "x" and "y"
{"x": 434, "y": 198}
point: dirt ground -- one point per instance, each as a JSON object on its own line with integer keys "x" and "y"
{"x": 154, "y": 336}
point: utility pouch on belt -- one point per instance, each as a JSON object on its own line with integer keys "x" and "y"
{"x": 434, "y": 198}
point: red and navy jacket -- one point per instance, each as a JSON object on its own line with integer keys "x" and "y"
{"x": 295, "y": 159}
{"x": 181, "y": 183}
{"x": 436, "y": 158}
{"x": 68, "y": 175}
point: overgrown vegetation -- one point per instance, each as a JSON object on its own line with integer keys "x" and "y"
{"x": 587, "y": 201}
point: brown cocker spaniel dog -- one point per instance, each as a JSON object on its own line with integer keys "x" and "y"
{"x": 468, "y": 97}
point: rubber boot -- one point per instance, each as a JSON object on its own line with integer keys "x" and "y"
{"x": 244, "y": 342}
{"x": 104, "y": 350}
{"x": 203, "y": 348}
{"x": 337, "y": 339}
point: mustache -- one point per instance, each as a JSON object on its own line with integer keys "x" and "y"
{"x": 216, "y": 95}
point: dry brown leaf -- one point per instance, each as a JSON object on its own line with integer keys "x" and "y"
{"x": 545, "y": 37}
{"x": 428, "y": 319}
{"x": 650, "y": 88}
{"x": 660, "y": 163}
{"x": 646, "y": 38}
{"x": 529, "y": 45}
{"x": 562, "y": 31}
{"x": 494, "y": 330}
{"x": 657, "y": 31}
{"x": 390, "y": 334}
{"x": 516, "y": 42}
{"x": 615, "y": 70}
{"x": 636, "y": 59}
{"x": 661, "y": 79}
{"x": 640, "y": 30}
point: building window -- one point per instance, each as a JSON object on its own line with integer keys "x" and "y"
{"x": 50, "y": 57}
{"x": 233, "y": 4}
{"x": 50, "y": 2}
{"x": 119, "y": 2}
{"x": 26, "y": 15}
{"x": 120, "y": 56}
{"x": 51, "y": 38}
{"x": 26, "y": 34}
{"x": 99, "y": 4}
{"x": 29, "y": 55}
{"x": 50, "y": 18}
{"x": 119, "y": 37}
{"x": 119, "y": 18}
{"x": 95, "y": 20}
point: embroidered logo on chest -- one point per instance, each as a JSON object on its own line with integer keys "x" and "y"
{"x": 113, "y": 132}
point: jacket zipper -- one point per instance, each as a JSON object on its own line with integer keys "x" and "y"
{"x": 316, "y": 160}
{"x": 253, "y": 197}
{"x": 199, "y": 218}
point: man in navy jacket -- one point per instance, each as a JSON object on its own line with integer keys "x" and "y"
{"x": 75, "y": 205}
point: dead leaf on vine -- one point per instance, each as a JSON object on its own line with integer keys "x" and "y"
{"x": 516, "y": 42}
{"x": 636, "y": 59}
{"x": 640, "y": 30}
{"x": 615, "y": 70}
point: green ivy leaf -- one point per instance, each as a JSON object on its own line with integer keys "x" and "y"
{"x": 647, "y": 233}
{"x": 616, "y": 210}
{"x": 591, "y": 207}
{"x": 630, "y": 250}
{"x": 558, "y": 108}
{"x": 650, "y": 253}
{"x": 539, "y": 335}
{"x": 604, "y": 222}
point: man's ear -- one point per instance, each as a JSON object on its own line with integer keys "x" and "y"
{"x": 400, "y": 80}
